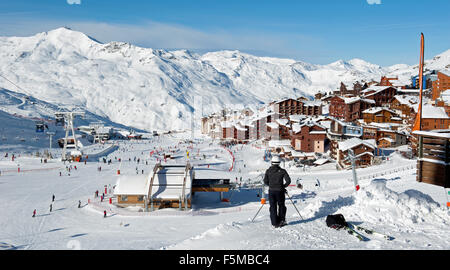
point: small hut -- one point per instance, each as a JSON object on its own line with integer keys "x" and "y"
{"x": 131, "y": 190}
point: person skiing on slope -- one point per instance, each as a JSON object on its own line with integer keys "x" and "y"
{"x": 34, "y": 213}
{"x": 274, "y": 179}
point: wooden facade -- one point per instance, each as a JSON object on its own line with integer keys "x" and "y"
{"x": 362, "y": 151}
{"x": 433, "y": 165}
{"x": 382, "y": 97}
{"x": 405, "y": 110}
{"x": 310, "y": 138}
{"x": 380, "y": 115}
{"x": 348, "y": 111}
{"x": 441, "y": 84}
{"x": 297, "y": 106}
{"x": 356, "y": 91}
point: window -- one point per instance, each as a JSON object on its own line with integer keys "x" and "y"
{"x": 124, "y": 198}
{"x": 140, "y": 198}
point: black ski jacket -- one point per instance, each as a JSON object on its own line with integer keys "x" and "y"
{"x": 274, "y": 178}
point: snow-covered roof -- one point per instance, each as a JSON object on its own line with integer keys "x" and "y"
{"x": 272, "y": 125}
{"x": 297, "y": 117}
{"x": 296, "y": 127}
{"x": 368, "y": 100}
{"x": 407, "y": 100}
{"x": 375, "y": 89}
{"x": 287, "y": 148}
{"x": 103, "y": 130}
{"x": 408, "y": 91}
{"x": 282, "y": 122}
{"x": 445, "y": 135}
{"x": 445, "y": 72}
{"x": 353, "y": 142}
{"x": 132, "y": 185}
{"x": 387, "y": 139}
{"x": 351, "y": 100}
{"x": 377, "y": 110}
{"x": 279, "y": 143}
{"x": 75, "y": 153}
{"x": 363, "y": 154}
{"x": 239, "y": 127}
{"x": 445, "y": 95}
{"x": 318, "y": 132}
{"x": 326, "y": 124}
{"x": 433, "y": 112}
{"x": 387, "y": 126}
{"x": 295, "y": 153}
{"x": 321, "y": 161}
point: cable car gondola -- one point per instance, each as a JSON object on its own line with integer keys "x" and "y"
{"x": 40, "y": 127}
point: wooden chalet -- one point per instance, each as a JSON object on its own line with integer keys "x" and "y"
{"x": 297, "y": 106}
{"x": 433, "y": 117}
{"x": 381, "y": 95}
{"x": 363, "y": 150}
{"x": 348, "y": 109}
{"x": 441, "y": 83}
{"x": 404, "y": 105}
{"x": 309, "y": 137}
{"x": 381, "y": 115}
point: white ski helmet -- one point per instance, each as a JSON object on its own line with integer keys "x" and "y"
{"x": 276, "y": 160}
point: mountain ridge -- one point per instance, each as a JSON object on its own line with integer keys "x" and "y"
{"x": 155, "y": 89}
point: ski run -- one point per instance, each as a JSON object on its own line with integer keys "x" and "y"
{"x": 412, "y": 213}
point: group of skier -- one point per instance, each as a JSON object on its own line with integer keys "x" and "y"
{"x": 51, "y": 205}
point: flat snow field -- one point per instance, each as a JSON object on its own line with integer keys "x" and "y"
{"x": 390, "y": 201}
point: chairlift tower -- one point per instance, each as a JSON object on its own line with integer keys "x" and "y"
{"x": 353, "y": 158}
{"x": 68, "y": 118}
{"x": 50, "y": 134}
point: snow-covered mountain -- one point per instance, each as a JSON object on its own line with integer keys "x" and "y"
{"x": 155, "y": 89}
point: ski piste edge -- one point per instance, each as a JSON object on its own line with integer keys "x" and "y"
{"x": 371, "y": 232}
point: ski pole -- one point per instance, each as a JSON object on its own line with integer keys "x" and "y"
{"x": 293, "y": 204}
{"x": 257, "y": 212}
{"x": 262, "y": 204}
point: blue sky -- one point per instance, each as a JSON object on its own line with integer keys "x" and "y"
{"x": 384, "y": 32}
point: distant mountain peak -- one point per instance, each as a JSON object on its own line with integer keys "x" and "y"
{"x": 150, "y": 88}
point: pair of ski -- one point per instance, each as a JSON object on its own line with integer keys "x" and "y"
{"x": 351, "y": 229}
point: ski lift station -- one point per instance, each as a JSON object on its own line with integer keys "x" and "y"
{"x": 168, "y": 186}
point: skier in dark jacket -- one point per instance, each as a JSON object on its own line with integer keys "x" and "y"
{"x": 277, "y": 187}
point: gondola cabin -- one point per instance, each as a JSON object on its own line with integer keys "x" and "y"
{"x": 70, "y": 143}
{"x": 59, "y": 120}
{"x": 40, "y": 127}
